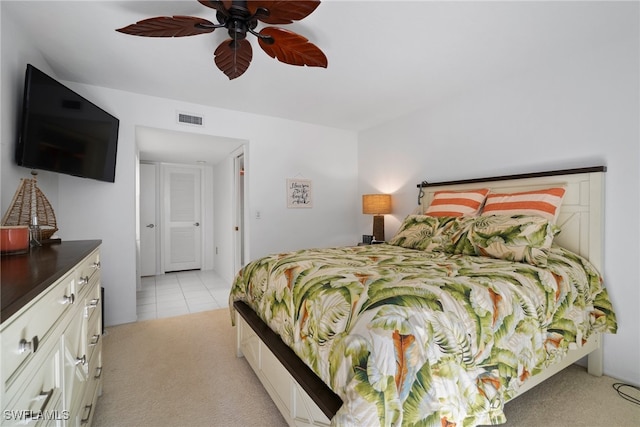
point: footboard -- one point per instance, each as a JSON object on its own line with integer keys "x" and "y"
{"x": 283, "y": 374}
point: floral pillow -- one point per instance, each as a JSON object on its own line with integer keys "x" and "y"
{"x": 455, "y": 235}
{"x": 417, "y": 232}
{"x": 521, "y": 238}
{"x": 435, "y": 234}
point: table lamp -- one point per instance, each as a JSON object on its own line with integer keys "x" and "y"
{"x": 377, "y": 205}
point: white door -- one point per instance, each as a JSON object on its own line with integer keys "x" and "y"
{"x": 148, "y": 220}
{"x": 182, "y": 218}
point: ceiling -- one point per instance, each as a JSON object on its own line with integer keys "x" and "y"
{"x": 386, "y": 58}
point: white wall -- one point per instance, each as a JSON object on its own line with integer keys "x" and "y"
{"x": 16, "y": 53}
{"x": 582, "y": 110}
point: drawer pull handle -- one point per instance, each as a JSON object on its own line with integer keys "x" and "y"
{"x": 81, "y": 360}
{"x": 26, "y": 346}
{"x": 96, "y": 265}
{"x": 92, "y": 304}
{"x": 83, "y": 280}
{"x": 38, "y": 414}
{"x": 88, "y": 409}
{"x": 70, "y": 299}
{"x": 98, "y": 372}
{"x": 94, "y": 340}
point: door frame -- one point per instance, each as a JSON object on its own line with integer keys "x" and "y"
{"x": 240, "y": 211}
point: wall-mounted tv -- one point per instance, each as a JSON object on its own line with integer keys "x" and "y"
{"x": 63, "y": 132}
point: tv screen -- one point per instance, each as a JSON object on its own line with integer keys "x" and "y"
{"x": 63, "y": 132}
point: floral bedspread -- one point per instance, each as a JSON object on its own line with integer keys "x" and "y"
{"x": 409, "y": 337}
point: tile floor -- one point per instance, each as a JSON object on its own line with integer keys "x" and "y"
{"x": 184, "y": 292}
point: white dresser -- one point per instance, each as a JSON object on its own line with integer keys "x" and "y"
{"x": 51, "y": 330}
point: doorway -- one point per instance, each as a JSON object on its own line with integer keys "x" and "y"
{"x": 216, "y": 157}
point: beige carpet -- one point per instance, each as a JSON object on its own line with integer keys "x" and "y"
{"x": 182, "y": 371}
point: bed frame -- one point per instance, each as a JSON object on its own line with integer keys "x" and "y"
{"x": 304, "y": 400}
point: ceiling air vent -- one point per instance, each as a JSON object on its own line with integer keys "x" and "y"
{"x": 190, "y": 119}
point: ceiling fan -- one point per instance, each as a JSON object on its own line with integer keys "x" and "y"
{"x": 234, "y": 55}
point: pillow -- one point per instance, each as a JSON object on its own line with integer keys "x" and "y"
{"x": 522, "y": 238}
{"x": 417, "y": 232}
{"x": 457, "y": 203}
{"x": 455, "y": 235}
{"x": 545, "y": 203}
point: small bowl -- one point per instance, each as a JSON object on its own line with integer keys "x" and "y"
{"x": 14, "y": 239}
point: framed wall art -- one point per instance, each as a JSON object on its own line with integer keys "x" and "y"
{"x": 299, "y": 194}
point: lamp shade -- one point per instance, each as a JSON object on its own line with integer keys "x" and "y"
{"x": 376, "y": 204}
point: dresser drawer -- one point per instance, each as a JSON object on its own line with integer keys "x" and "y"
{"x": 91, "y": 300}
{"x": 37, "y": 401}
{"x": 75, "y": 363}
{"x": 87, "y": 270}
{"x": 93, "y": 388}
{"x": 94, "y": 335}
{"x": 28, "y": 331}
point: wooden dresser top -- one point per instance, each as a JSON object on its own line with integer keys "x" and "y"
{"x": 23, "y": 277}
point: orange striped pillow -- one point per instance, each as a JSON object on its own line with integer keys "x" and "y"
{"x": 457, "y": 203}
{"x": 545, "y": 203}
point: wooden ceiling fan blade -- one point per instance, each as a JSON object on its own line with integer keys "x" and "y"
{"x": 291, "y": 48}
{"x": 219, "y": 5}
{"x": 166, "y": 26}
{"x": 283, "y": 11}
{"x": 233, "y": 57}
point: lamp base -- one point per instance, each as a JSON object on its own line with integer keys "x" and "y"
{"x": 378, "y": 228}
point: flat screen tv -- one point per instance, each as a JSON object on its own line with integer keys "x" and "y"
{"x": 63, "y": 132}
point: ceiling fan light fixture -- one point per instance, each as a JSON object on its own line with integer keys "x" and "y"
{"x": 233, "y": 56}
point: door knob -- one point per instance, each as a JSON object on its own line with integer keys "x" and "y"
{"x": 150, "y": 225}
{"x": 197, "y": 224}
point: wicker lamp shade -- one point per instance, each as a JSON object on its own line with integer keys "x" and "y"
{"x": 31, "y": 207}
{"x": 377, "y": 205}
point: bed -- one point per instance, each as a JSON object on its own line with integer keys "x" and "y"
{"x": 448, "y": 321}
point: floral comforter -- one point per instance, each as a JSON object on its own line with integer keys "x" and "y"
{"x": 409, "y": 337}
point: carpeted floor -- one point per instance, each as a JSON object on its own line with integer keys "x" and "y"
{"x": 180, "y": 371}
{"x": 183, "y": 371}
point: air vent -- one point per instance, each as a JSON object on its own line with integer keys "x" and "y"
{"x": 190, "y": 119}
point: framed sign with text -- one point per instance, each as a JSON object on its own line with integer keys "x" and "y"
{"x": 299, "y": 193}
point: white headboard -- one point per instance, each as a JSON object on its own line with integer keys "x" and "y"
{"x": 581, "y": 215}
